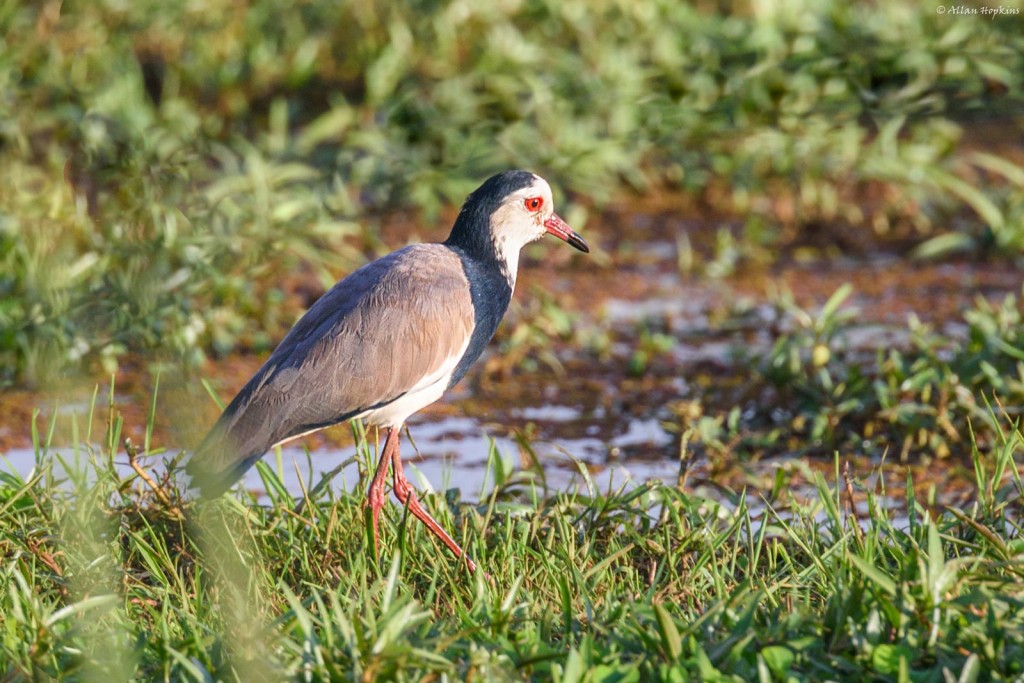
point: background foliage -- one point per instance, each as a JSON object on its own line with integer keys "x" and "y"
{"x": 164, "y": 163}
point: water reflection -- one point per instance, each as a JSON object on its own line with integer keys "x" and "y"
{"x": 457, "y": 454}
{"x": 449, "y": 453}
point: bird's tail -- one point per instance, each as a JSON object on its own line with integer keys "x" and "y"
{"x": 246, "y": 430}
{"x": 215, "y": 465}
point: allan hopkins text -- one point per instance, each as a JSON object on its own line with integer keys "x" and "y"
{"x": 984, "y": 11}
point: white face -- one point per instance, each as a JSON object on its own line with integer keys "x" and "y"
{"x": 520, "y": 220}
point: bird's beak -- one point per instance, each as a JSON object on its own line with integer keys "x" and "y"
{"x": 560, "y": 229}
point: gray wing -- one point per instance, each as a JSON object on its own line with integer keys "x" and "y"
{"x": 365, "y": 343}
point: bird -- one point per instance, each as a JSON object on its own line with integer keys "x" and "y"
{"x": 386, "y": 341}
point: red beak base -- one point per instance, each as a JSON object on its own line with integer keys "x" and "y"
{"x": 560, "y": 229}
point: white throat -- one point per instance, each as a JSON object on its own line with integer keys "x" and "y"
{"x": 508, "y": 257}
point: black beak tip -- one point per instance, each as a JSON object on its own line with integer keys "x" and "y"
{"x": 578, "y": 242}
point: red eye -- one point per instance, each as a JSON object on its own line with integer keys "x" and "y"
{"x": 534, "y": 203}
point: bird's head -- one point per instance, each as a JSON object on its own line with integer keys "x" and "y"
{"x": 506, "y": 213}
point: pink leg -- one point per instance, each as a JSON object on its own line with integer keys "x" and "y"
{"x": 375, "y": 497}
{"x": 407, "y": 496}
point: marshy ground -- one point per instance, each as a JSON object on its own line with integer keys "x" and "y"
{"x": 609, "y": 362}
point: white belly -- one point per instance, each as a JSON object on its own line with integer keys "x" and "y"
{"x": 426, "y": 391}
{"x": 396, "y": 412}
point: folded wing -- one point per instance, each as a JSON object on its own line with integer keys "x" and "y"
{"x": 367, "y": 342}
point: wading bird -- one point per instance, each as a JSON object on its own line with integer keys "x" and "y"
{"x": 388, "y": 340}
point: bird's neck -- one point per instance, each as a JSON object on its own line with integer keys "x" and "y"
{"x": 491, "y": 292}
{"x": 494, "y": 272}
{"x": 489, "y": 251}
{"x": 507, "y": 256}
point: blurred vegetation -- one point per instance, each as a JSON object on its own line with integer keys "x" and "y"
{"x": 934, "y": 395}
{"x": 164, "y": 163}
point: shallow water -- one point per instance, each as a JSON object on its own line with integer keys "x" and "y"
{"x": 456, "y": 456}
{"x": 451, "y": 453}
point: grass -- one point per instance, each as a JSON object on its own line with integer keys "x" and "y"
{"x": 101, "y": 580}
